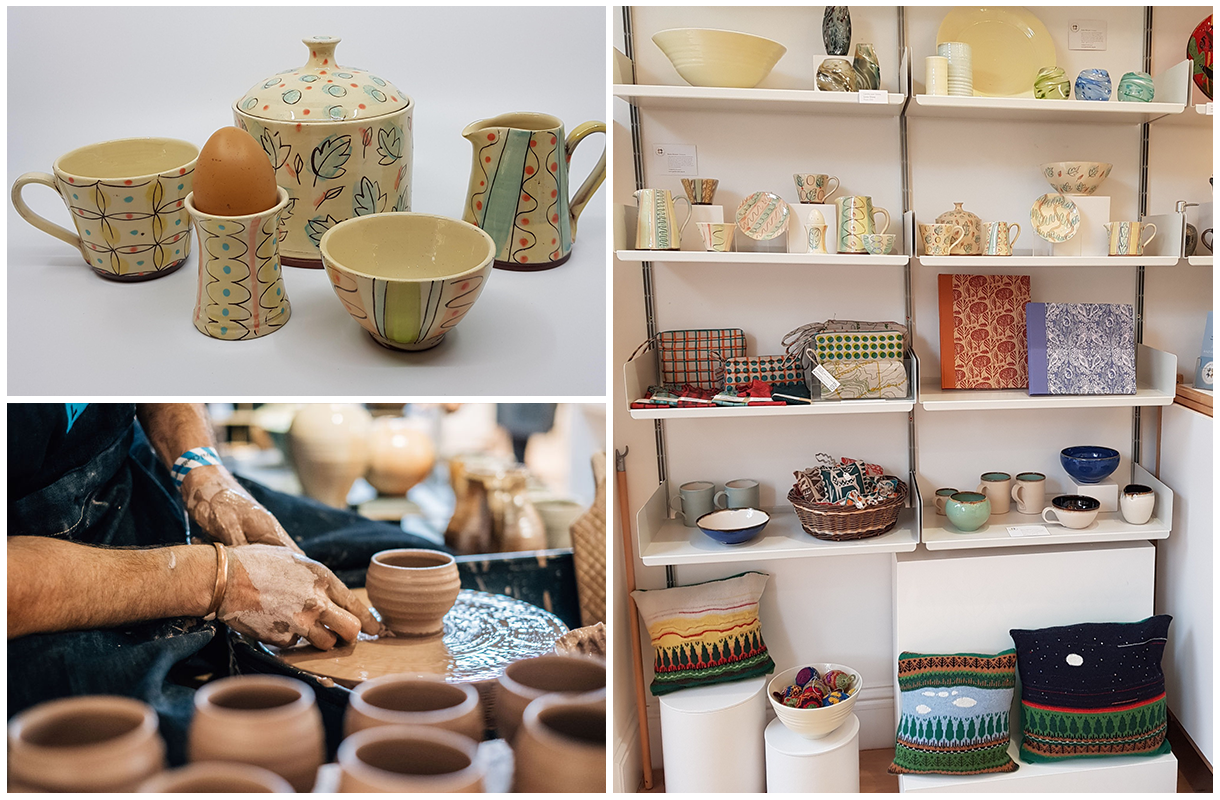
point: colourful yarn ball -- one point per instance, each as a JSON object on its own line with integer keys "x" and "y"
{"x": 806, "y": 675}
{"x": 836, "y": 697}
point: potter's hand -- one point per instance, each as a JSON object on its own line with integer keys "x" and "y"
{"x": 224, "y": 509}
{"x": 278, "y": 596}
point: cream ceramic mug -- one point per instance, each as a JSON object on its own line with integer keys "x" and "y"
{"x": 1125, "y": 237}
{"x": 998, "y": 238}
{"x": 1136, "y": 503}
{"x": 815, "y": 188}
{"x": 940, "y": 238}
{"x": 998, "y": 488}
{"x": 942, "y": 497}
{"x": 1030, "y": 492}
{"x": 127, "y": 200}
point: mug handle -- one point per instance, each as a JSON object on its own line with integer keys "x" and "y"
{"x": 596, "y": 177}
{"x": 44, "y": 225}
{"x": 955, "y": 243}
{"x": 689, "y": 211}
{"x": 1012, "y": 238}
{"x": 675, "y": 505}
{"x": 830, "y": 192}
{"x": 1150, "y": 238}
{"x": 1016, "y": 491}
{"x": 885, "y": 214}
{"x": 1054, "y": 521}
{"x": 939, "y": 503}
{"x": 716, "y": 499}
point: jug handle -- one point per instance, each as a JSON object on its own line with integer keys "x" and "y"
{"x": 586, "y": 190}
{"x": 44, "y": 225}
{"x": 690, "y": 210}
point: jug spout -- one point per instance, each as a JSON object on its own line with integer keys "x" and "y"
{"x": 472, "y": 131}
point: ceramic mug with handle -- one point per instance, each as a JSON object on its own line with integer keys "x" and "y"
{"x": 657, "y": 226}
{"x": 998, "y": 238}
{"x": 1030, "y": 492}
{"x": 815, "y": 188}
{"x": 1072, "y": 511}
{"x": 998, "y": 488}
{"x": 694, "y": 499}
{"x": 856, "y": 218}
{"x": 942, "y": 497}
{"x": 742, "y": 493}
{"x": 940, "y": 238}
{"x": 1125, "y": 237}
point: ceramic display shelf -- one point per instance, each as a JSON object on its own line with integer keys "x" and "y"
{"x": 795, "y": 101}
{"x": 812, "y": 259}
{"x": 1199, "y": 117}
{"x": 968, "y": 263}
{"x": 664, "y": 541}
{"x": 939, "y": 534}
{"x": 1155, "y": 382}
{"x": 1199, "y": 261}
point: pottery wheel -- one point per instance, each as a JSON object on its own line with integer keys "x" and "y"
{"x": 484, "y": 633}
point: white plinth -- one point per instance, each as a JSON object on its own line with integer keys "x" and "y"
{"x": 797, "y": 764}
{"x": 1091, "y": 237}
{"x": 712, "y": 738}
{"x": 705, "y": 213}
{"x": 1105, "y": 492}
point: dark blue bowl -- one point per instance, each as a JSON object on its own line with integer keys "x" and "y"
{"x": 734, "y": 525}
{"x": 1089, "y": 463}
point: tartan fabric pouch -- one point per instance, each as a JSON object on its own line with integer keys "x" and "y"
{"x": 771, "y": 369}
{"x": 696, "y": 357}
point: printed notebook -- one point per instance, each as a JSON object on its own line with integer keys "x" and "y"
{"x": 982, "y": 331}
{"x": 1081, "y": 348}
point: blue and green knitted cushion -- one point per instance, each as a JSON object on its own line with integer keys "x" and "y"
{"x": 954, "y": 713}
{"x": 1094, "y": 689}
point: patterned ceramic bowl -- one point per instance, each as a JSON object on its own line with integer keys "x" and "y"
{"x": 1076, "y": 177}
{"x": 879, "y": 244}
{"x": 813, "y": 723}
{"x": 705, "y": 57}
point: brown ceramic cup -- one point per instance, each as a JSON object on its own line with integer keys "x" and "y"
{"x": 413, "y": 589}
{"x": 269, "y": 721}
{"x": 562, "y": 746}
{"x": 415, "y": 700}
{"x": 216, "y": 776}
{"x": 408, "y": 758}
{"x": 529, "y": 679}
{"x": 95, "y": 743}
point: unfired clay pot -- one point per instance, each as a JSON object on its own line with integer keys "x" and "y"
{"x": 95, "y": 743}
{"x": 400, "y": 455}
{"x": 527, "y": 680}
{"x": 266, "y": 720}
{"x": 518, "y": 525}
{"x": 415, "y": 700}
{"x": 216, "y": 776}
{"x": 413, "y": 589}
{"x": 562, "y": 746}
{"x": 330, "y": 449}
{"x": 404, "y": 758}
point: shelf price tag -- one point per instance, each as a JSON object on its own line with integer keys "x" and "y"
{"x": 826, "y": 378}
{"x": 880, "y": 96}
{"x": 1018, "y": 531}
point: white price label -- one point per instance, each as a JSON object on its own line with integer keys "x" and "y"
{"x": 675, "y": 159}
{"x": 1087, "y": 34}
{"x": 826, "y": 378}
{"x": 1018, "y": 531}
{"x": 1208, "y": 110}
{"x": 880, "y": 96}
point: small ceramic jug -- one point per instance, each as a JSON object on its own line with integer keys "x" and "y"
{"x": 519, "y": 187}
{"x": 656, "y": 227}
{"x": 855, "y": 215}
{"x": 998, "y": 238}
{"x": 1125, "y": 237}
{"x": 940, "y": 238}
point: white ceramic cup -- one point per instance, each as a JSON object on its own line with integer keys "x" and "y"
{"x": 1069, "y": 517}
{"x": 1029, "y": 491}
{"x": 942, "y": 497}
{"x": 1136, "y": 503}
{"x": 998, "y": 488}
{"x": 936, "y": 75}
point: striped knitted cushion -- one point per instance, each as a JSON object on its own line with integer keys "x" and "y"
{"x": 954, "y": 713}
{"x": 1094, "y": 689}
{"x": 705, "y": 633}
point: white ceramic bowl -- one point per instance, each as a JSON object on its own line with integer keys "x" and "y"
{"x": 812, "y": 723}
{"x": 707, "y": 57}
{"x": 1076, "y": 177}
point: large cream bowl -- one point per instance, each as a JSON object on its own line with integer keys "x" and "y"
{"x": 708, "y": 57}
{"x": 1076, "y": 177}
{"x": 407, "y": 278}
{"x": 812, "y": 723}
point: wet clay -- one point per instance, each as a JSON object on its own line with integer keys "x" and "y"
{"x": 273, "y": 597}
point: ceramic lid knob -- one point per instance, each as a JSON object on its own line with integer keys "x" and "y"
{"x": 321, "y": 51}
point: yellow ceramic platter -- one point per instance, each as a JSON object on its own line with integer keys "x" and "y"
{"x": 1008, "y": 47}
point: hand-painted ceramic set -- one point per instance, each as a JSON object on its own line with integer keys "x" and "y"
{"x": 317, "y": 174}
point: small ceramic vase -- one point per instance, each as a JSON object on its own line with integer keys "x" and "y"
{"x": 1135, "y": 87}
{"x": 700, "y": 191}
{"x": 413, "y": 589}
{"x": 972, "y": 242}
{"x": 936, "y": 75}
{"x": 815, "y": 188}
{"x": 968, "y": 511}
{"x": 717, "y": 236}
{"x": 329, "y": 444}
{"x": 525, "y": 681}
{"x": 474, "y": 531}
{"x": 561, "y": 731}
{"x": 942, "y": 497}
{"x": 836, "y": 75}
{"x": 520, "y": 525}
{"x": 398, "y": 758}
{"x": 269, "y": 721}
{"x": 836, "y": 30}
{"x": 1093, "y": 84}
{"x": 94, "y": 743}
{"x": 425, "y": 700}
{"x": 1052, "y": 83}
{"x": 868, "y": 70}
{"x": 817, "y": 239}
{"x": 221, "y": 777}
{"x": 1136, "y": 503}
{"x": 400, "y": 455}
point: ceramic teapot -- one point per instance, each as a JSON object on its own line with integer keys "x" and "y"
{"x": 340, "y": 141}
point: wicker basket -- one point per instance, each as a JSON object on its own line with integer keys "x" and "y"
{"x": 847, "y": 523}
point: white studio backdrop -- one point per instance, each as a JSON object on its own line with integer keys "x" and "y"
{"x": 123, "y": 72}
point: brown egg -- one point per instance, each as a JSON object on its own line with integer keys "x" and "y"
{"x": 233, "y": 176}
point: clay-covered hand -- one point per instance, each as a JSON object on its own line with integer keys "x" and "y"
{"x": 278, "y": 596}
{"x": 224, "y": 509}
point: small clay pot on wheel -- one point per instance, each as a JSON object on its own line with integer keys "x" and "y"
{"x": 216, "y": 776}
{"x": 405, "y": 758}
{"x": 413, "y": 589}
{"x": 562, "y": 746}
{"x": 415, "y": 700}
{"x": 529, "y": 679}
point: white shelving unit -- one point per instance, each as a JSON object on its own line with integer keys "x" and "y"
{"x": 1199, "y": 261}
{"x": 810, "y": 259}
{"x": 1055, "y": 262}
{"x": 790, "y": 101}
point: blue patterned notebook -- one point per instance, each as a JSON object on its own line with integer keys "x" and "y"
{"x": 1081, "y": 348}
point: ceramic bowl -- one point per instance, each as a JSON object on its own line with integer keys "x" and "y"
{"x": 1089, "y": 463}
{"x": 812, "y": 723}
{"x": 879, "y": 244}
{"x": 561, "y": 746}
{"x": 525, "y": 681}
{"x": 216, "y": 777}
{"x": 407, "y": 278}
{"x": 415, "y": 700}
{"x": 1076, "y": 177}
{"x": 407, "y": 758}
{"x": 706, "y": 57}
{"x": 413, "y": 589}
{"x": 1074, "y": 511}
{"x": 733, "y": 525}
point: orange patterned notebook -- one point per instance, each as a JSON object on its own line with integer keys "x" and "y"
{"x": 982, "y": 331}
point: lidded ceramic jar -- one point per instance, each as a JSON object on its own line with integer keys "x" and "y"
{"x": 340, "y": 141}
{"x": 972, "y": 243}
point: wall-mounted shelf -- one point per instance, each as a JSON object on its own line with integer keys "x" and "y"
{"x": 663, "y": 541}
{"x": 793, "y": 101}
{"x": 1155, "y": 381}
{"x": 968, "y": 262}
{"x": 940, "y": 534}
{"x": 1196, "y": 116}
{"x": 810, "y": 259}
{"x": 1199, "y": 261}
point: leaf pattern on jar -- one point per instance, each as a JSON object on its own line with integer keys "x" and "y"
{"x": 389, "y": 145}
{"x": 367, "y": 198}
{"x": 329, "y": 157}
{"x": 275, "y": 149}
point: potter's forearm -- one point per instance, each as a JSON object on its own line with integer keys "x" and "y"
{"x": 174, "y": 428}
{"x": 54, "y": 585}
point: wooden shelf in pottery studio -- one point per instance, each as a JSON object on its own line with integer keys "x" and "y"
{"x": 930, "y": 153}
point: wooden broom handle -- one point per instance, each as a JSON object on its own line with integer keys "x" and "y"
{"x": 633, "y": 617}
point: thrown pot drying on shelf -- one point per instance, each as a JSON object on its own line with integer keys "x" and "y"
{"x": 400, "y": 455}
{"x": 398, "y": 758}
{"x": 329, "y": 444}
{"x": 425, "y": 700}
{"x": 525, "y": 681}
{"x": 413, "y": 589}
{"x": 562, "y": 746}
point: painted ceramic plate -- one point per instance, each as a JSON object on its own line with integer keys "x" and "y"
{"x": 1009, "y": 46}
{"x": 763, "y": 215}
{"x": 1199, "y": 51}
{"x": 1055, "y": 217}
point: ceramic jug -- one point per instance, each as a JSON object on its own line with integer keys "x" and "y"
{"x": 518, "y": 189}
{"x": 1125, "y": 237}
{"x": 655, "y": 228}
{"x": 855, "y": 215}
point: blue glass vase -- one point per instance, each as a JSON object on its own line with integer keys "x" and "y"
{"x": 1093, "y": 84}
